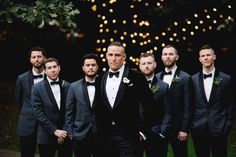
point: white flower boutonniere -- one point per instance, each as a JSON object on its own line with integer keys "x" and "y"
{"x": 176, "y": 79}
{"x": 126, "y": 80}
{"x": 155, "y": 88}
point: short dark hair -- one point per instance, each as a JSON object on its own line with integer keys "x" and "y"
{"x": 37, "y": 48}
{"x": 206, "y": 46}
{"x": 90, "y": 56}
{"x": 117, "y": 43}
{"x": 51, "y": 59}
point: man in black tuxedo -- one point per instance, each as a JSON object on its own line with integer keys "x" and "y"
{"x": 48, "y": 99}
{"x": 79, "y": 116}
{"x": 118, "y": 118}
{"x": 27, "y": 125}
{"x": 213, "y": 107}
{"x": 180, "y": 97}
{"x": 156, "y": 143}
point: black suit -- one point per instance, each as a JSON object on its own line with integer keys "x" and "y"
{"x": 80, "y": 119}
{"x": 180, "y": 98}
{"x": 27, "y": 124}
{"x": 160, "y": 121}
{"x": 212, "y": 119}
{"x": 119, "y": 126}
{"x": 50, "y": 118}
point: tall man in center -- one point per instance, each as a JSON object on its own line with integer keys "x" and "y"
{"x": 118, "y": 118}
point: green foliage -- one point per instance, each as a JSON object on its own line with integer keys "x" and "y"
{"x": 39, "y": 13}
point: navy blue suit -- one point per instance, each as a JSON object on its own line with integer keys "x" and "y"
{"x": 27, "y": 124}
{"x": 49, "y": 116}
{"x": 80, "y": 119}
{"x": 180, "y": 98}
{"x": 120, "y": 124}
{"x": 212, "y": 119}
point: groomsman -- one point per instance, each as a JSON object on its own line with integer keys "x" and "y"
{"x": 118, "y": 118}
{"x": 156, "y": 144}
{"x": 27, "y": 124}
{"x": 180, "y": 98}
{"x": 48, "y": 100}
{"x": 212, "y": 113}
{"x": 79, "y": 116}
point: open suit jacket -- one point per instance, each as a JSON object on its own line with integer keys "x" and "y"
{"x": 80, "y": 118}
{"x": 46, "y": 111}
{"x": 27, "y": 124}
{"x": 217, "y": 112}
{"x": 132, "y": 91}
{"x": 161, "y": 111}
{"x": 180, "y": 98}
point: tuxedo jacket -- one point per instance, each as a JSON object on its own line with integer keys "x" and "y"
{"x": 133, "y": 91}
{"x": 180, "y": 97}
{"x": 216, "y": 113}
{"x": 160, "y": 112}
{"x": 46, "y": 110}
{"x": 27, "y": 124}
{"x": 79, "y": 114}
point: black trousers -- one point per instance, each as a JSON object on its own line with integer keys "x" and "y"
{"x": 206, "y": 144}
{"x": 28, "y": 145}
{"x": 118, "y": 143}
{"x": 49, "y": 150}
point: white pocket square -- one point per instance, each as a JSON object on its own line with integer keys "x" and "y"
{"x": 130, "y": 85}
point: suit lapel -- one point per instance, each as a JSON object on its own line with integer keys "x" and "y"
{"x": 31, "y": 80}
{"x": 176, "y": 75}
{"x": 214, "y": 87}
{"x": 121, "y": 89}
{"x": 85, "y": 92}
{"x": 50, "y": 94}
{"x": 103, "y": 90}
{"x": 201, "y": 86}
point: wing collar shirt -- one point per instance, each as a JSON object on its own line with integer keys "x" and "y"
{"x": 208, "y": 83}
{"x": 56, "y": 91}
{"x": 168, "y": 78}
{"x": 112, "y": 85}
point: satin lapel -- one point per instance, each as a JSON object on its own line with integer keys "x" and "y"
{"x": 50, "y": 94}
{"x": 162, "y": 75}
{"x": 103, "y": 90}
{"x": 96, "y": 94}
{"x": 122, "y": 88}
{"x": 31, "y": 80}
{"x": 173, "y": 83}
{"x": 201, "y": 86}
{"x": 85, "y": 92}
{"x": 214, "y": 88}
{"x": 154, "y": 81}
{"x": 63, "y": 99}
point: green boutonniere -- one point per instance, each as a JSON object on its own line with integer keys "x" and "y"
{"x": 63, "y": 84}
{"x": 176, "y": 79}
{"x": 217, "y": 81}
{"x": 154, "y": 88}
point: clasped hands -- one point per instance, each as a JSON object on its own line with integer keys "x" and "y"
{"x": 61, "y": 135}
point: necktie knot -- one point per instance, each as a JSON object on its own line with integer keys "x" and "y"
{"x": 55, "y": 83}
{"x": 90, "y": 83}
{"x": 111, "y": 74}
{"x": 167, "y": 73}
{"x": 37, "y": 76}
{"x": 207, "y": 75}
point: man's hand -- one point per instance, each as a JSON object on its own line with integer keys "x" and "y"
{"x": 182, "y": 136}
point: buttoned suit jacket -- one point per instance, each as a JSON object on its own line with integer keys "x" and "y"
{"x": 27, "y": 124}
{"x": 133, "y": 91}
{"x": 80, "y": 118}
{"x": 217, "y": 113}
{"x": 180, "y": 97}
{"x": 46, "y": 110}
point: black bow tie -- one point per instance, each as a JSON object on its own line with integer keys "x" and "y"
{"x": 55, "y": 82}
{"x": 90, "y": 83}
{"x": 37, "y": 76}
{"x": 167, "y": 73}
{"x": 111, "y": 74}
{"x": 149, "y": 81}
{"x": 207, "y": 75}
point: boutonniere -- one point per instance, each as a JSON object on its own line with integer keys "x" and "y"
{"x": 126, "y": 80}
{"x": 176, "y": 79}
{"x": 155, "y": 88}
{"x": 63, "y": 84}
{"x": 217, "y": 81}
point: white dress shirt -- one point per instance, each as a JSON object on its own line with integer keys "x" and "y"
{"x": 91, "y": 91}
{"x": 38, "y": 79}
{"x": 56, "y": 91}
{"x": 208, "y": 82}
{"x": 168, "y": 78}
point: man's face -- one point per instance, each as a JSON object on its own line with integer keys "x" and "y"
{"x": 147, "y": 65}
{"x": 37, "y": 58}
{"x": 207, "y": 57}
{"x": 169, "y": 57}
{"x": 115, "y": 57}
{"x": 52, "y": 70}
{"x": 90, "y": 67}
